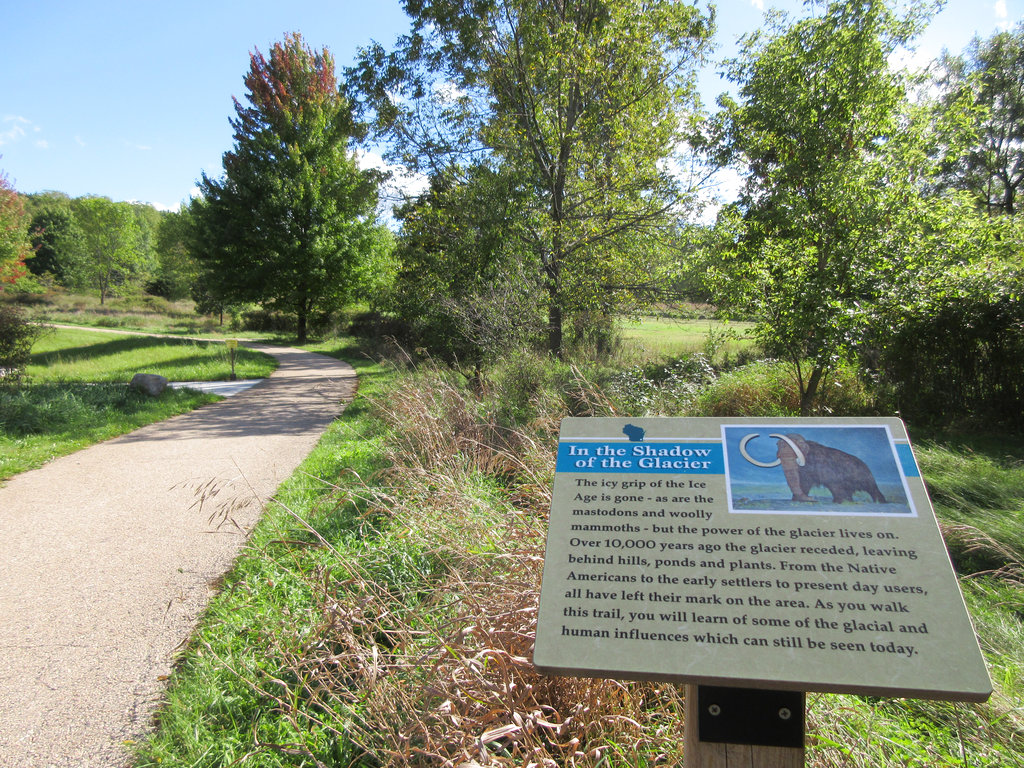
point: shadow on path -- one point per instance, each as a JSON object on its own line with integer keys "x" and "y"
{"x": 109, "y": 561}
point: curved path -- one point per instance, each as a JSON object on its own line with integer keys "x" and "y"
{"x": 107, "y": 562}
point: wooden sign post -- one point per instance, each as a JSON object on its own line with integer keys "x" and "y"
{"x": 752, "y": 728}
{"x": 774, "y": 555}
{"x": 232, "y": 345}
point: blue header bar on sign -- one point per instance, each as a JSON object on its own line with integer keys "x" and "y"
{"x": 641, "y": 458}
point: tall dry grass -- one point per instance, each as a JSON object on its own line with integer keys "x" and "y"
{"x": 408, "y": 604}
{"x": 426, "y": 637}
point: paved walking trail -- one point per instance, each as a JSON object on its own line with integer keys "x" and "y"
{"x": 107, "y": 564}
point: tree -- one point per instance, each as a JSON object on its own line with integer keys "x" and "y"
{"x": 16, "y": 335}
{"x": 14, "y": 245}
{"x": 462, "y": 286}
{"x": 55, "y": 235}
{"x": 832, "y": 214}
{"x": 991, "y": 75}
{"x": 291, "y": 220}
{"x": 177, "y": 269}
{"x": 109, "y": 255}
{"x": 581, "y": 104}
{"x": 147, "y": 219}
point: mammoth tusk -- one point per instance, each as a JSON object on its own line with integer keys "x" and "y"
{"x": 743, "y": 451}
{"x": 801, "y": 460}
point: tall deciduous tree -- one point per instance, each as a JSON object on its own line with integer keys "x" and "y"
{"x": 832, "y": 212}
{"x": 460, "y": 285}
{"x": 991, "y": 74}
{"x": 14, "y": 245}
{"x": 581, "y": 103}
{"x": 109, "y": 256}
{"x": 55, "y": 235}
{"x": 291, "y": 220}
{"x": 178, "y": 270}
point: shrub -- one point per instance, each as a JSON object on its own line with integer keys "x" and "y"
{"x": 958, "y": 351}
{"x": 525, "y": 386}
{"x": 692, "y": 386}
{"x": 768, "y": 388}
{"x": 762, "y": 388}
{"x": 16, "y": 339}
{"x": 662, "y": 389}
{"x": 266, "y": 320}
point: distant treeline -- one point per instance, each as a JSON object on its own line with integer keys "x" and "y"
{"x": 95, "y": 244}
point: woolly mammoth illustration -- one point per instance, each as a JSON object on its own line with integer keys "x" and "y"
{"x": 807, "y": 464}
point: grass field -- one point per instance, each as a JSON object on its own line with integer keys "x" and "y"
{"x": 661, "y": 338}
{"x": 76, "y": 393}
{"x": 145, "y": 314}
{"x": 150, "y": 314}
{"x": 64, "y": 354}
{"x": 384, "y": 614}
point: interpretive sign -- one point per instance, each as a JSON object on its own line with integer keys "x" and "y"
{"x": 795, "y": 554}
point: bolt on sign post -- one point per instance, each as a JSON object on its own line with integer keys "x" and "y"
{"x": 232, "y": 345}
{"x": 752, "y": 560}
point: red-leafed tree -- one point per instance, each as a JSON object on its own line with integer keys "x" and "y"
{"x": 290, "y": 224}
{"x": 14, "y": 245}
{"x": 16, "y": 335}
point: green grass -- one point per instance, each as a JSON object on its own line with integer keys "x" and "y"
{"x": 222, "y": 703}
{"x": 76, "y": 392}
{"x": 324, "y": 643}
{"x": 662, "y": 338}
{"x": 146, "y": 314}
{"x": 39, "y": 422}
{"x": 95, "y": 356}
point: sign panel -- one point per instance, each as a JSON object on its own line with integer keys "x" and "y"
{"x": 231, "y": 343}
{"x": 797, "y": 554}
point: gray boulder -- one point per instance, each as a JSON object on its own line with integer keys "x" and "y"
{"x": 151, "y": 383}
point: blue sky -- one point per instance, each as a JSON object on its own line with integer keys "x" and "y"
{"x": 131, "y": 100}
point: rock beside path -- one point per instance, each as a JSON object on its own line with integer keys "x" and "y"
{"x": 153, "y": 384}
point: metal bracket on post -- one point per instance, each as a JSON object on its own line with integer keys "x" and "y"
{"x": 751, "y": 716}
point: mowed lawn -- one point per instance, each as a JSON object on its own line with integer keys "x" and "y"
{"x": 76, "y": 390}
{"x": 64, "y": 354}
{"x": 666, "y": 337}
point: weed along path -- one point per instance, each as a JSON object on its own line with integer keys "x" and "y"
{"x": 108, "y": 561}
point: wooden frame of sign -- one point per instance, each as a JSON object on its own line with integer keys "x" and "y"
{"x": 784, "y": 555}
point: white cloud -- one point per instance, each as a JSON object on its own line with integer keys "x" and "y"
{"x": 42, "y": 144}
{"x": 1002, "y": 16}
{"x": 16, "y": 130}
{"x": 448, "y": 91}
{"x": 724, "y": 188}
{"x": 79, "y": 141}
{"x": 759, "y": 4}
{"x": 401, "y": 183}
{"x": 159, "y": 206}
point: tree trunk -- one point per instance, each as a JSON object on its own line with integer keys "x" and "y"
{"x": 302, "y": 326}
{"x": 810, "y": 393}
{"x": 555, "y": 329}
